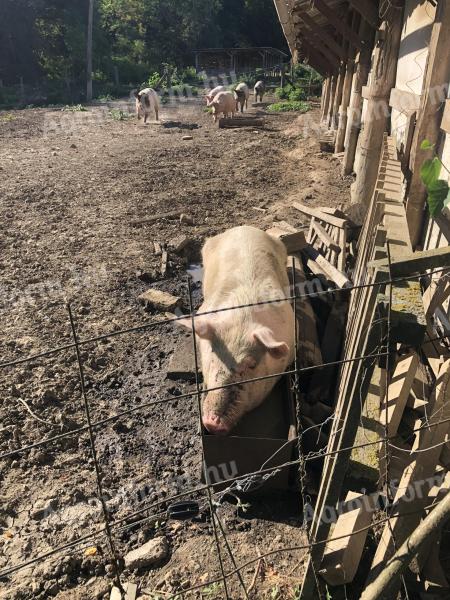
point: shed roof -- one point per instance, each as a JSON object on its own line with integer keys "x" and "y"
{"x": 324, "y": 32}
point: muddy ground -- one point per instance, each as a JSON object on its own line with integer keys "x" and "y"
{"x": 79, "y": 195}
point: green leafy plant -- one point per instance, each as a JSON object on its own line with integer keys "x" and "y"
{"x": 289, "y": 106}
{"x": 74, "y": 108}
{"x": 119, "y": 115}
{"x": 211, "y": 590}
{"x": 438, "y": 190}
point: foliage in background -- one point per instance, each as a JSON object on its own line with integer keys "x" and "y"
{"x": 44, "y": 42}
{"x": 438, "y": 190}
{"x": 289, "y": 92}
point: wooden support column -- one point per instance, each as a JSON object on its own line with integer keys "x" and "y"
{"x": 384, "y": 72}
{"x": 338, "y": 96}
{"x": 326, "y": 97}
{"x": 354, "y": 112}
{"x": 333, "y": 85}
{"x": 432, "y": 103}
{"x": 343, "y": 114}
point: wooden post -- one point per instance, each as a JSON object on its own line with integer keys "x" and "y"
{"x": 384, "y": 72}
{"x": 326, "y": 99}
{"x": 329, "y": 114}
{"x": 89, "y": 52}
{"x": 434, "y": 93}
{"x": 338, "y": 96}
{"x": 354, "y": 113}
{"x": 343, "y": 115}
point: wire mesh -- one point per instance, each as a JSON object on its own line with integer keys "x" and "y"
{"x": 149, "y": 512}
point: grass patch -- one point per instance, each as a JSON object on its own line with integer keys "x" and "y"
{"x": 119, "y": 115}
{"x": 74, "y": 108}
{"x": 289, "y": 106}
{"x": 7, "y": 118}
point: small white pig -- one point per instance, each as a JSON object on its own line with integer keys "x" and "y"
{"x": 223, "y": 103}
{"x": 242, "y": 94}
{"x": 147, "y": 101}
{"x": 213, "y": 93}
{"x": 242, "y": 266}
{"x": 259, "y": 90}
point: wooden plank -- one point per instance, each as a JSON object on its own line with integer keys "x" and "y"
{"x": 322, "y": 34}
{"x": 398, "y": 392}
{"x": 435, "y": 295}
{"x": 336, "y": 20}
{"x": 445, "y": 123}
{"x": 418, "y": 262}
{"x": 324, "y": 236}
{"x": 318, "y": 214}
{"x": 342, "y": 557}
{"x": 309, "y": 353}
{"x": 410, "y": 499}
{"x": 333, "y": 274}
{"x": 294, "y": 242}
{"x": 403, "y": 101}
{"x": 357, "y": 377}
{"x": 365, "y": 461}
{"x": 240, "y": 122}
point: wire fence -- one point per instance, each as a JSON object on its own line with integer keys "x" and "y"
{"x": 235, "y": 484}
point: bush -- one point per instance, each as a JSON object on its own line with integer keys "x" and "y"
{"x": 297, "y": 95}
{"x": 282, "y": 93}
{"x": 289, "y": 106}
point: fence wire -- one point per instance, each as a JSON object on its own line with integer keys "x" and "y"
{"x": 234, "y": 484}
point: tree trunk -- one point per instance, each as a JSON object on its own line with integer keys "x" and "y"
{"x": 89, "y": 52}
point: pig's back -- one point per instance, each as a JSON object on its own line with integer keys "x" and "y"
{"x": 243, "y": 257}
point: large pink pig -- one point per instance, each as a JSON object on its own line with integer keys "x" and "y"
{"x": 223, "y": 103}
{"x": 242, "y": 266}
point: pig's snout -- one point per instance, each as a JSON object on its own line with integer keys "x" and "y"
{"x": 218, "y": 412}
{"x": 215, "y": 425}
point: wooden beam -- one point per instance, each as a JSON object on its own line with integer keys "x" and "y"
{"x": 409, "y": 500}
{"x": 331, "y": 273}
{"x": 326, "y": 98}
{"x": 355, "y": 110}
{"x": 434, "y": 93}
{"x": 343, "y": 113}
{"x": 368, "y": 10}
{"x": 322, "y": 34}
{"x": 319, "y": 215}
{"x": 384, "y": 70}
{"x": 341, "y": 558}
{"x": 316, "y": 42}
{"x": 315, "y": 57}
{"x": 418, "y": 262}
{"x": 338, "y": 23}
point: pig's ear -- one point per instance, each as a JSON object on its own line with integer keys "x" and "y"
{"x": 265, "y": 336}
{"x": 204, "y": 327}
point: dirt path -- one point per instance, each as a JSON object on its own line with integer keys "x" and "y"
{"x": 78, "y": 191}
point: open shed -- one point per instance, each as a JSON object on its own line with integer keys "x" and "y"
{"x": 217, "y": 61}
{"x": 385, "y": 112}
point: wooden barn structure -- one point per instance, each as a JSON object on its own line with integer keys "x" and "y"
{"x": 218, "y": 61}
{"x": 386, "y": 70}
